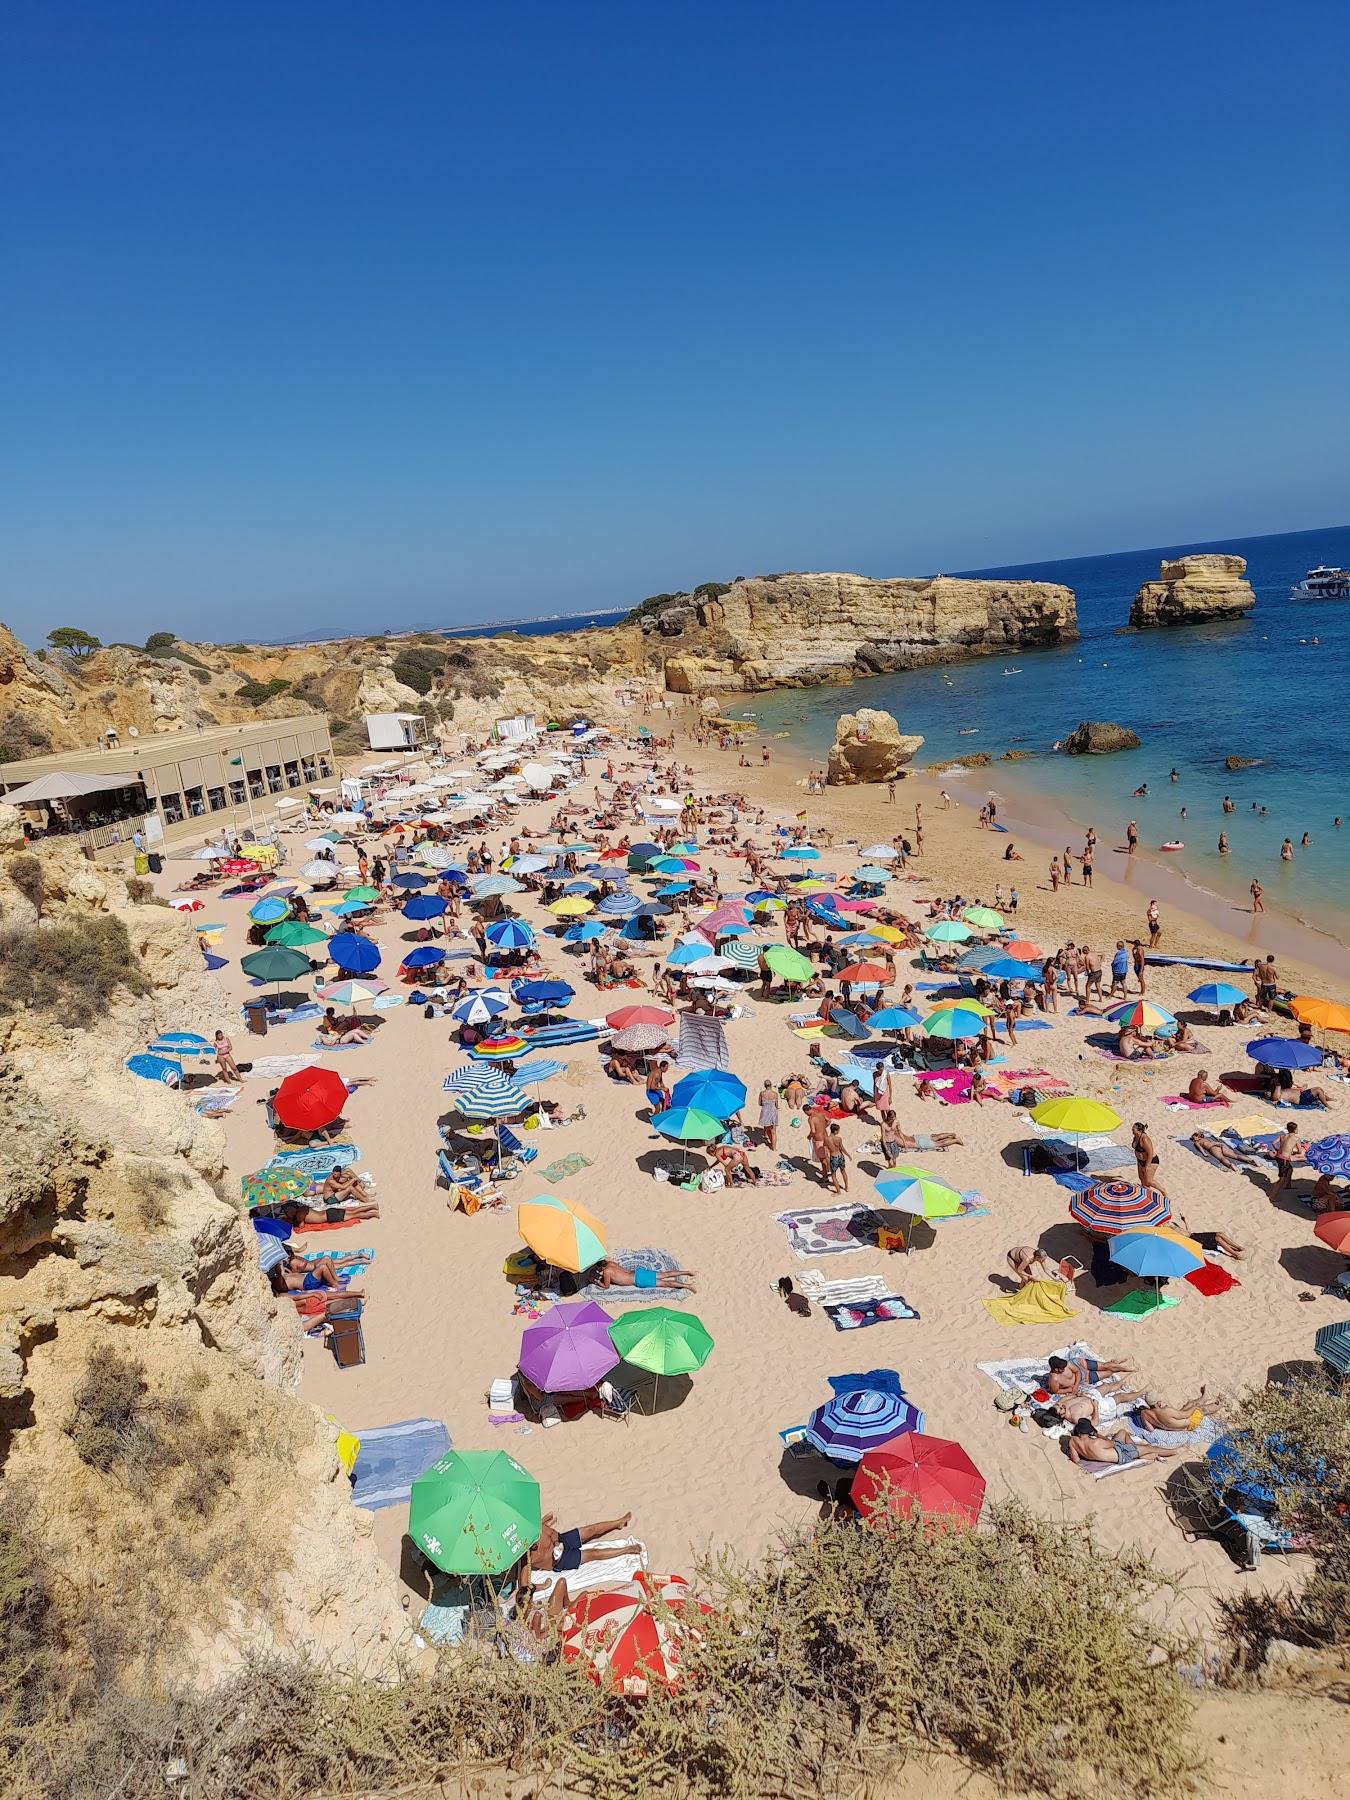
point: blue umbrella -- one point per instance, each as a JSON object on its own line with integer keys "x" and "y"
{"x": 182, "y": 1043}
{"x": 269, "y": 911}
{"x": 584, "y": 933}
{"x": 541, "y": 1068}
{"x": 800, "y": 853}
{"x": 477, "y": 1009}
{"x": 674, "y": 888}
{"x": 852, "y": 1423}
{"x": 893, "y": 1018}
{"x": 859, "y": 940}
{"x": 849, "y": 1023}
{"x": 510, "y": 934}
{"x": 980, "y": 957}
{"x": 409, "y": 878}
{"x": 424, "y": 957}
{"x": 1329, "y": 1155}
{"x": 156, "y": 1068}
{"x": 824, "y": 908}
{"x": 354, "y": 953}
{"x": 618, "y": 906}
{"x": 687, "y": 953}
{"x": 544, "y": 993}
{"x": 424, "y": 906}
{"x": 584, "y": 884}
{"x": 1007, "y": 968}
{"x": 1216, "y": 993}
{"x": 1284, "y": 1053}
{"x": 714, "y": 1091}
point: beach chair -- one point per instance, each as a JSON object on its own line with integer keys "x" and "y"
{"x": 346, "y": 1338}
{"x": 616, "y": 1403}
{"x": 512, "y": 1145}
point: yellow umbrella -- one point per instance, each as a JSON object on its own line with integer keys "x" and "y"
{"x": 561, "y": 1232}
{"x": 888, "y": 932}
{"x": 1076, "y": 1114}
{"x": 970, "y": 1006}
{"x": 1331, "y": 1015}
{"x": 571, "y": 906}
{"x": 1177, "y": 1237}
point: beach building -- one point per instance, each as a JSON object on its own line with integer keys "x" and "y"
{"x": 166, "y": 786}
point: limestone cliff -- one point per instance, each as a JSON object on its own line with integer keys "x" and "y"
{"x": 868, "y": 746}
{"x": 802, "y": 630}
{"x": 147, "y": 1375}
{"x": 1194, "y": 590}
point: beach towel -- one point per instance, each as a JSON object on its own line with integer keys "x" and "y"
{"x": 327, "y": 1049}
{"x": 275, "y": 1068}
{"x": 213, "y": 1101}
{"x": 1141, "y": 1304}
{"x": 609, "y": 1573}
{"x": 390, "y": 1459}
{"x": 1031, "y": 1025}
{"x": 857, "y": 1315}
{"x": 973, "y": 1206}
{"x": 387, "y": 1002}
{"x": 1035, "y": 1303}
{"x": 1212, "y": 1279}
{"x": 1022, "y": 1375}
{"x": 571, "y": 1164}
{"x": 316, "y": 1162}
{"x": 646, "y": 1258}
{"x": 835, "y": 1293}
{"x": 1105, "y": 1469}
{"x": 1181, "y": 1103}
{"x": 829, "y": 1230}
{"x": 703, "y": 1043}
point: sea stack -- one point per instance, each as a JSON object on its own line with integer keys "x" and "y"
{"x": 868, "y": 746}
{"x": 1194, "y": 590}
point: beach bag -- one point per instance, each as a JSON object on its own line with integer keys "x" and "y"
{"x": 711, "y": 1180}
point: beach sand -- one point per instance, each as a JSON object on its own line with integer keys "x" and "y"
{"x": 708, "y": 1468}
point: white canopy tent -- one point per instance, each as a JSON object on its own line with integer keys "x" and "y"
{"x": 60, "y": 786}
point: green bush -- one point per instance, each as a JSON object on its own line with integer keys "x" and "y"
{"x": 654, "y": 603}
{"x": 257, "y": 693}
{"x": 418, "y": 665}
{"x": 69, "y": 971}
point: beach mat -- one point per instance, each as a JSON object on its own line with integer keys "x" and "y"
{"x": 857, "y": 1315}
{"x": 1035, "y": 1303}
{"x": 648, "y": 1258}
{"x": 275, "y": 1068}
{"x": 316, "y": 1162}
{"x": 829, "y": 1230}
{"x": 1181, "y": 1103}
{"x": 391, "y": 1458}
{"x": 571, "y": 1164}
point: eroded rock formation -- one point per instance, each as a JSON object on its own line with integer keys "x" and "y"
{"x": 1099, "y": 737}
{"x": 1194, "y": 590}
{"x": 868, "y": 746}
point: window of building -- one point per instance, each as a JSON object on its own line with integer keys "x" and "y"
{"x": 274, "y": 777}
{"x": 310, "y": 767}
{"x": 325, "y": 766}
{"x": 238, "y": 793}
{"x": 292, "y": 774}
{"x": 255, "y": 784}
{"x": 173, "y": 808}
{"x": 215, "y": 799}
{"x": 196, "y": 801}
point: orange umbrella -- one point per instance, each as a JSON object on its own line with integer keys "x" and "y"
{"x": 1331, "y": 1015}
{"x": 1022, "y": 951}
{"x": 862, "y": 972}
{"x": 1334, "y": 1230}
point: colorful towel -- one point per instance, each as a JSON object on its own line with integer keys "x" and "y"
{"x": 1035, "y": 1303}
{"x": 390, "y": 1459}
{"x": 829, "y": 1230}
{"x": 972, "y": 1207}
{"x": 1212, "y": 1279}
{"x": 571, "y": 1164}
{"x": 316, "y": 1162}
{"x": 1141, "y": 1304}
{"x": 328, "y": 1049}
{"x": 1181, "y": 1103}
{"x": 346, "y": 1262}
{"x": 858, "y": 1314}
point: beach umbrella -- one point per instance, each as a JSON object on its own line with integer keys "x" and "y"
{"x": 708, "y": 964}
{"x": 494, "y": 887}
{"x": 1329, "y": 1155}
{"x": 181, "y": 1043}
{"x": 423, "y": 906}
{"x": 860, "y": 940}
{"x": 984, "y": 917}
{"x": 364, "y": 893}
{"x": 409, "y": 879}
{"x": 893, "y": 1018}
{"x": 871, "y": 877}
{"x": 479, "y": 1008}
{"x": 504, "y": 1048}
{"x": 271, "y": 1187}
{"x": 164, "y": 1069}
{"x": 671, "y": 865}
{"x": 345, "y": 908}
{"x": 914, "y": 1473}
{"x": 435, "y": 856}
{"x": 691, "y": 951}
{"x": 638, "y": 1015}
{"x": 1156, "y": 1255}
{"x": 475, "y": 1512}
{"x": 571, "y": 906}
{"x": 917, "y": 1192}
{"x": 1284, "y": 1053}
{"x": 1332, "y": 1344}
{"x": 948, "y": 931}
{"x": 425, "y": 956}
{"x": 1333, "y": 1229}
{"x": 569, "y": 1349}
{"x": 584, "y": 934}
{"x": 630, "y": 1636}
{"x": 1108, "y": 1207}
{"x": 640, "y": 1037}
{"x": 1024, "y": 950}
{"x": 538, "y": 1070}
{"x": 510, "y": 934}
{"x": 292, "y": 933}
{"x": 320, "y": 871}
{"x": 846, "y": 1427}
{"x": 639, "y": 855}
{"x": 1143, "y": 1015}
{"x": 955, "y": 1022}
{"x": 1330, "y": 1015}
{"x": 310, "y": 1100}
{"x": 545, "y": 993}
{"x": 526, "y": 865}
{"x": 356, "y": 954}
{"x": 788, "y": 963}
{"x": 714, "y": 1091}
{"x": 861, "y": 974}
{"x": 619, "y": 906}
{"x": 324, "y": 841}
{"x": 350, "y": 993}
{"x": 274, "y": 965}
{"x": 741, "y": 953}
{"x": 723, "y": 918}
{"x": 799, "y": 853}
{"x": 662, "y": 1341}
{"x": 672, "y": 890}
{"x": 561, "y": 1233}
{"x": 495, "y": 1097}
{"x": 879, "y": 852}
{"x": 977, "y": 959}
{"x": 1217, "y": 994}
{"x": 268, "y": 912}
{"x": 1078, "y": 1116}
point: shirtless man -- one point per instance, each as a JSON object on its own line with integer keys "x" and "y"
{"x": 559, "y": 1552}
{"x": 612, "y": 1274}
{"x": 1200, "y": 1093}
{"x": 817, "y": 1128}
{"x": 1086, "y": 1444}
{"x": 1152, "y": 1413}
{"x": 1074, "y": 1375}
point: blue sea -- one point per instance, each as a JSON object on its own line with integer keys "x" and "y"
{"x": 1272, "y": 685}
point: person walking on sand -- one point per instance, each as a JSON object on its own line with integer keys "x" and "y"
{"x": 768, "y": 1114}
{"x": 1131, "y": 838}
{"x": 1258, "y": 899}
{"x": 1145, "y": 1156}
{"x": 817, "y": 1129}
{"x": 838, "y": 1159}
{"x": 1137, "y": 958}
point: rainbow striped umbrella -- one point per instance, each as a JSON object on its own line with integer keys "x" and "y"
{"x": 1113, "y": 1206}
{"x": 1143, "y": 1015}
{"x": 498, "y": 1049}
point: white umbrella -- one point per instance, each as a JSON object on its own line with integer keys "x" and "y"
{"x": 207, "y": 853}
{"x": 318, "y": 843}
{"x": 707, "y": 965}
{"x": 320, "y": 870}
{"x": 663, "y": 803}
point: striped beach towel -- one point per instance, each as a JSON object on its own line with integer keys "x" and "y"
{"x": 703, "y": 1043}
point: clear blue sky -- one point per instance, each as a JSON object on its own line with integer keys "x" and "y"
{"x": 322, "y": 315}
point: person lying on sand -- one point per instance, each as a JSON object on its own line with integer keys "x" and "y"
{"x": 1215, "y": 1150}
{"x": 296, "y": 1276}
{"x": 1071, "y": 1375}
{"x": 894, "y": 1140}
{"x": 1086, "y": 1444}
{"x": 613, "y": 1274}
{"x": 335, "y": 1030}
{"x": 559, "y": 1552}
{"x": 1152, "y": 1413}
{"x": 304, "y": 1212}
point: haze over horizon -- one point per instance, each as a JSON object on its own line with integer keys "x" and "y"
{"x": 328, "y": 319}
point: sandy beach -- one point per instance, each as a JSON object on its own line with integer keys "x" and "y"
{"x": 709, "y": 1467}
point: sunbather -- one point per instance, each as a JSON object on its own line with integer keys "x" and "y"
{"x": 302, "y": 1212}
{"x": 557, "y": 1552}
{"x": 1215, "y": 1150}
{"x": 347, "y": 1030}
{"x": 613, "y": 1274}
{"x": 1153, "y": 1413}
{"x": 1210, "y": 1240}
{"x": 1201, "y": 1092}
{"x": 1086, "y": 1444}
{"x": 343, "y": 1186}
{"x": 296, "y": 1276}
{"x": 1070, "y": 1375}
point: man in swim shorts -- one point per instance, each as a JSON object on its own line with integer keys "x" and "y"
{"x": 1086, "y": 1444}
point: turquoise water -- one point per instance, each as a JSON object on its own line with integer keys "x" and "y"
{"x": 1257, "y": 687}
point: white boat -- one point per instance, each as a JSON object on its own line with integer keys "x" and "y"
{"x": 1323, "y": 583}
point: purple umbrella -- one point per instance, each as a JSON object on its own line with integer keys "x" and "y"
{"x": 569, "y": 1350}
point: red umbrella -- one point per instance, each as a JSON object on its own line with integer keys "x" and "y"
{"x": 1022, "y": 950}
{"x": 631, "y": 1635}
{"x": 238, "y": 865}
{"x": 1334, "y": 1229}
{"x": 930, "y": 1474}
{"x": 612, "y": 855}
{"x": 865, "y": 972}
{"x": 638, "y": 1015}
{"x": 310, "y": 1099}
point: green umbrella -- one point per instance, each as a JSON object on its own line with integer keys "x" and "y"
{"x": 788, "y": 963}
{"x": 362, "y": 893}
{"x": 662, "y": 1341}
{"x": 983, "y": 916}
{"x": 948, "y": 931}
{"x": 475, "y": 1512}
{"x": 292, "y": 933}
{"x": 274, "y": 964}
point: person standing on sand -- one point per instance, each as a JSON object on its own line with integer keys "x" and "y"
{"x": 837, "y": 1158}
{"x": 1054, "y": 874}
{"x": 817, "y": 1126}
{"x": 1145, "y": 1156}
{"x": 1086, "y": 860}
{"x": 1154, "y": 925}
{"x": 1131, "y": 838}
{"x": 768, "y": 1114}
{"x": 1067, "y": 861}
{"x": 1137, "y": 958}
{"x": 1257, "y": 893}
{"x": 1120, "y": 963}
{"x": 890, "y": 792}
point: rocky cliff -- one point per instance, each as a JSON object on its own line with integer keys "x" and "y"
{"x": 1194, "y": 590}
{"x": 147, "y": 1375}
{"x": 868, "y": 746}
{"x": 802, "y": 630}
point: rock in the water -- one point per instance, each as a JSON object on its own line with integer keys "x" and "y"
{"x": 1016, "y": 755}
{"x": 1194, "y": 590}
{"x": 1098, "y": 737}
{"x": 1242, "y": 762}
{"x": 868, "y": 746}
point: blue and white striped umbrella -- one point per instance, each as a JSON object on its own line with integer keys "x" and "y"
{"x": 477, "y": 1009}
{"x": 500, "y": 1099}
{"x": 467, "y": 1075}
{"x": 540, "y": 1068}
{"x": 493, "y": 887}
{"x": 618, "y": 906}
{"x": 181, "y": 1043}
{"x": 510, "y": 934}
{"x": 851, "y": 1424}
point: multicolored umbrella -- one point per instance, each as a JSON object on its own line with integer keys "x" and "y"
{"x": 561, "y": 1233}
{"x": 863, "y": 1419}
{"x": 688, "y": 1124}
{"x": 1329, "y": 1155}
{"x": 953, "y": 1022}
{"x": 1109, "y": 1207}
{"x": 271, "y": 1187}
{"x": 913, "y": 1473}
{"x": 351, "y": 993}
{"x": 1156, "y": 1255}
{"x": 499, "y": 1049}
{"x": 510, "y": 934}
{"x": 310, "y": 1099}
{"x": 569, "y": 1349}
{"x": 915, "y": 1191}
{"x": 1143, "y": 1015}
{"x": 630, "y": 1636}
{"x": 475, "y": 1512}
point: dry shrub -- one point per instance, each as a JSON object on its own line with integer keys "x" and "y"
{"x": 26, "y": 874}
{"x": 68, "y": 971}
{"x": 141, "y": 892}
{"x": 1021, "y": 1648}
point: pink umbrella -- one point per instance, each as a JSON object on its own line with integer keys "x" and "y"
{"x": 569, "y": 1349}
{"x": 724, "y": 915}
